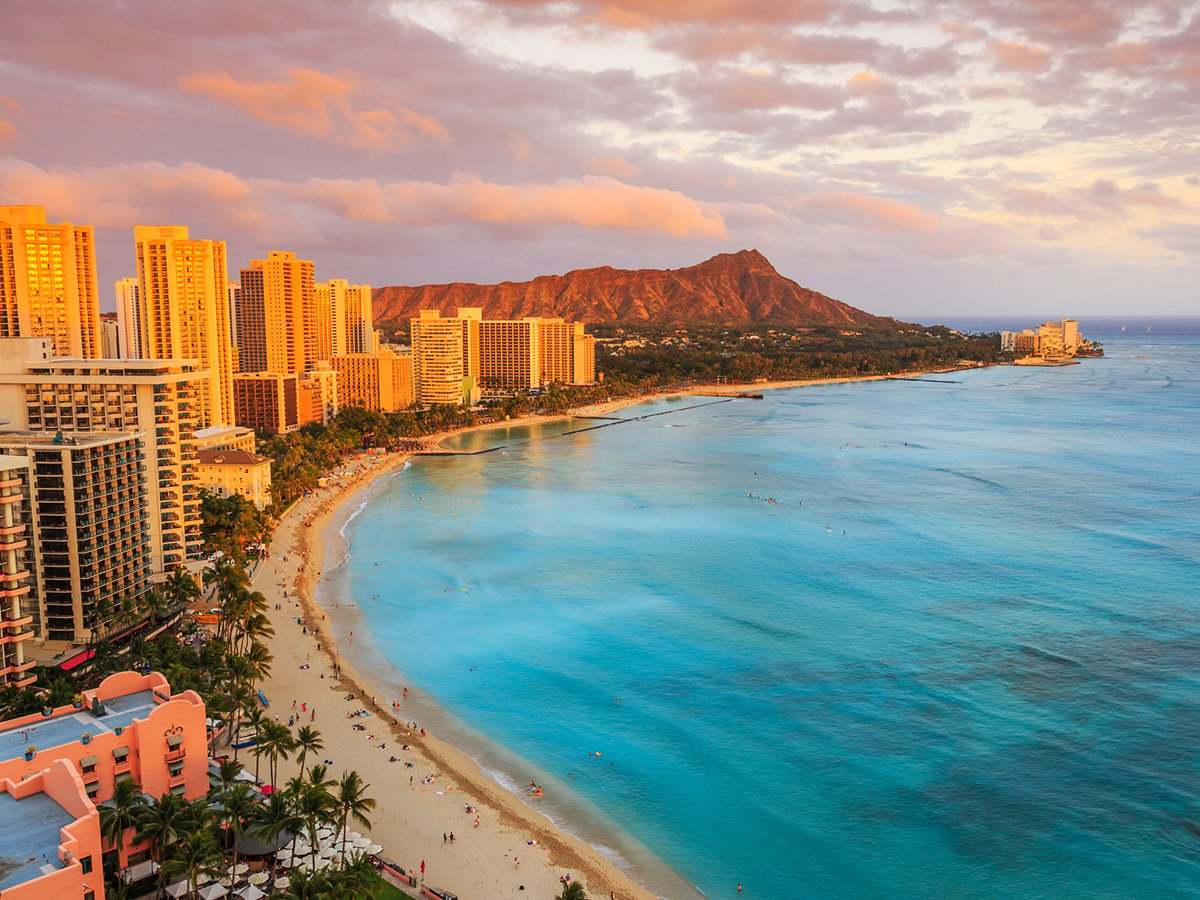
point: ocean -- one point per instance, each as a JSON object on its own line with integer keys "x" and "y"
{"x": 933, "y": 637}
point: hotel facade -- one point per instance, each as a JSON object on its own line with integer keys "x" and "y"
{"x": 48, "y": 282}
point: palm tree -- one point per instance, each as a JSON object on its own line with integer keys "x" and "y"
{"x": 237, "y": 806}
{"x": 310, "y": 886}
{"x": 315, "y": 804}
{"x": 164, "y": 823}
{"x": 308, "y": 740}
{"x": 197, "y": 854}
{"x": 179, "y": 589}
{"x": 274, "y": 817}
{"x": 123, "y": 812}
{"x": 256, "y": 720}
{"x": 227, "y": 773}
{"x": 572, "y": 890}
{"x": 350, "y": 801}
{"x": 275, "y": 742}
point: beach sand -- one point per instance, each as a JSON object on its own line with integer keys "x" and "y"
{"x": 410, "y": 819}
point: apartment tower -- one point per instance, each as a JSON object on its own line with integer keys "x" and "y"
{"x": 48, "y": 282}
{"x": 275, "y": 306}
{"x": 445, "y": 356}
{"x": 184, "y": 310}
{"x": 129, "y": 318}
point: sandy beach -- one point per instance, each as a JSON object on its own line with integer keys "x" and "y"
{"x": 424, "y": 793}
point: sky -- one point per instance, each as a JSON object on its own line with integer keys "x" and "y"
{"x": 910, "y": 157}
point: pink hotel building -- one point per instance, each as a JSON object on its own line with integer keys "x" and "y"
{"x": 55, "y": 769}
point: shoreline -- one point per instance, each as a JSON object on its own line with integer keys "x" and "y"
{"x": 309, "y": 537}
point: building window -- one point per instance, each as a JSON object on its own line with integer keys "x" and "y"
{"x": 86, "y": 864}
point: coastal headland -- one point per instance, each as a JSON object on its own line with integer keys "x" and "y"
{"x": 427, "y": 790}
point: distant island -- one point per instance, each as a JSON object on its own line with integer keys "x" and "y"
{"x": 1053, "y": 344}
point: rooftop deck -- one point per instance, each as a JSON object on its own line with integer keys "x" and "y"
{"x": 31, "y": 850}
{"x": 60, "y": 730}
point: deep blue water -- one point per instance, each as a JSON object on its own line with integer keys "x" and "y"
{"x": 958, "y": 657}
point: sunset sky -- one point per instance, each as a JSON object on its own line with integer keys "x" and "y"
{"x": 911, "y": 158}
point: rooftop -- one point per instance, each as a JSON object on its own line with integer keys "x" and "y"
{"x": 31, "y": 850}
{"x": 57, "y": 731}
{"x": 229, "y": 458}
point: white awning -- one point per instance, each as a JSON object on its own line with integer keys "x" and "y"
{"x": 212, "y": 891}
{"x": 144, "y": 869}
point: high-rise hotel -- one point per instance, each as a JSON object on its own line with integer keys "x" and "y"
{"x": 184, "y": 311}
{"x": 48, "y": 282}
{"x": 455, "y": 359}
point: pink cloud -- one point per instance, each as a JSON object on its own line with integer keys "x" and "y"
{"x": 1015, "y": 56}
{"x": 9, "y": 110}
{"x": 614, "y": 166}
{"x": 315, "y": 103}
{"x": 591, "y": 202}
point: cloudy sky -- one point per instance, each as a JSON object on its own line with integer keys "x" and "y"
{"x": 911, "y": 157}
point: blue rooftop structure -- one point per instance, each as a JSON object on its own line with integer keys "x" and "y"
{"x": 31, "y": 850}
{"x": 59, "y": 730}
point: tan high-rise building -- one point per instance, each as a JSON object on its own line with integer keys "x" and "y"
{"x": 275, "y": 305}
{"x": 445, "y": 356}
{"x": 268, "y": 402}
{"x": 48, "y": 282}
{"x": 183, "y": 300}
{"x": 403, "y": 391}
{"x": 129, "y": 318}
{"x": 153, "y": 399}
{"x": 88, "y": 531}
{"x": 568, "y": 355}
{"x": 319, "y": 396}
{"x": 510, "y": 355}
{"x": 343, "y": 318}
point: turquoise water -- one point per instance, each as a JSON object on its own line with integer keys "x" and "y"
{"x": 958, "y": 656}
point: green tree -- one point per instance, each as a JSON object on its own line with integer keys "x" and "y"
{"x": 572, "y": 890}
{"x": 195, "y": 855}
{"x": 274, "y": 819}
{"x": 308, "y": 740}
{"x": 351, "y": 801}
{"x": 123, "y": 812}
{"x": 237, "y": 808}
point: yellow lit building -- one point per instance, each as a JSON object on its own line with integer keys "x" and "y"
{"x": 275, "y": 306}
{"x": 378, "y": 381}
{"x": 510, "y": 355}
{"x": 184, "y": 310}
{"x": 129, "y": 318}
{"x": 445, "y": 356}
{"x": 226, "y": 472}
{"x": 224, "y": 437}
{"x": 48, "y": 282}
{"x": 268, "y": 402}
{"x": 568, "y": 356}
{"x": 318, "y": 394}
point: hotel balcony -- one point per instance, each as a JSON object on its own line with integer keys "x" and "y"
{"x": 18, "y": 591}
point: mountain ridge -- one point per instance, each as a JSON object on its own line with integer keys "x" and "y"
{"x": 728, "y": 289}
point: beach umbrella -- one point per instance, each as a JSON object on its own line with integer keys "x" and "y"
{"x": 281, "y": 883}
{"x": 324, "y": 833}
{"x": 375, "y": 848}
{"x": 212, "y": 891}
{"x": 362, "y": 843}
{"x": 178, "y": 889}
{"x": 250, "y": 892}
{"x": 320, "y": 863}
{"x": 259, "y": 878}
{"x": 204, "y": 878}
{"x": 238, "y": 869}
